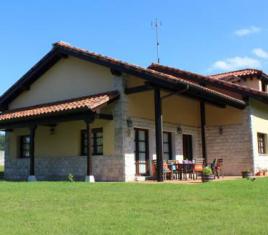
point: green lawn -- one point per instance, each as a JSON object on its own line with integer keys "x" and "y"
{"x": 230, "y": 207}
{"x": 1, "y": 168}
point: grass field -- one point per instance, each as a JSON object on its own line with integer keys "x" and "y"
{"x": 229, "y": 207}
{"x": 1, "y": 168}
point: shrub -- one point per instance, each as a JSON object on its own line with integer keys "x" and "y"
{"x": 207, "y": 171}
{"x": 71, "y": 177}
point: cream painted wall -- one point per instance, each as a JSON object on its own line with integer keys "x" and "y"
{"x": 259, "y": 123}
{"x": 69, "y": 78}
{"x": 65, "y": 142}
{"x": 180, "y": 110}
{"x": 175, "y": 109}
{"x": 252, "y": 83}
{"x": 223, "y": 116}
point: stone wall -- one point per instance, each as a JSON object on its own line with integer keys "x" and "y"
{"x": 105, "y": 168}
{"x": 233, "y": 145}
{"x": 177, "y": 150}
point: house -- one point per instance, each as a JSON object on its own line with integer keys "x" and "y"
{"x": 98, "y": 118}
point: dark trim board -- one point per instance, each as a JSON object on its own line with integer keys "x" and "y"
{"x": 54, "y": 119}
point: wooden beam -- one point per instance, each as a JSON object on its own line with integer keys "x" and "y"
{"x": 104, "y": 116}
{"x": 158, "y": 134}
{"x": 89, "y": 151}
{"x": 116, "y": 72}
{"x": 47, "y": 120}
{"x": 203, "y": 130}
{"x": 32, "y": 152}
{"x": 137, "y": 89}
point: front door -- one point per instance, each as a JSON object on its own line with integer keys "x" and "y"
{"x": 141, "y": 151}
{"x": 187, "y": 147}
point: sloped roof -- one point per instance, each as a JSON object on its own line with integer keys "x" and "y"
{"x": 208, "y": 80}
{"x": 62, "y": 50}
{"x": 238, "y": 75}
{"x": 90, "y": 103}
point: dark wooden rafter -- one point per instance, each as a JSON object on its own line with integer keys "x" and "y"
{"x": 32, "y": 150}
{"x": 88, "y": 122}
{"x": 116, "y": 72}
{"x": 53, "y": 119}
{"x": 138, "y": 89}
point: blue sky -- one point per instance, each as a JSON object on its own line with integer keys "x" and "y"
{"x": 205, "y": 36}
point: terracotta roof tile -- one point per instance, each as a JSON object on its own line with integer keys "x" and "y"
{"x": 208, "y": 80}
{"x": 154, "y": 77}
{"x": 236, "y": 76}
{"x": 89, "y": 102}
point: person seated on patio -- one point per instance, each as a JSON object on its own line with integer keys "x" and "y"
{"x": 166, "y": 170}
{"x": 213, "y": 167}
{"x": 219, "y": 168}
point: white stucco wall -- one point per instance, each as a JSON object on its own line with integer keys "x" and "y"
{"x": 2, "y": 158}
{"x": 259, "y": 122}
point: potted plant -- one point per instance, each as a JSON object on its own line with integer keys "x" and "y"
{"x": 207, "y": 174}
{"x": 246, "y": 174}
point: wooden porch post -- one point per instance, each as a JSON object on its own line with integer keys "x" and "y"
{"x": 158, "y": 133}
{"x": 89, "y": 177}
{"x": 32, "y": 176}
{"x": 203, "y": 130}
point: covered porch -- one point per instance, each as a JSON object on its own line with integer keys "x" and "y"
{"x": 164, "y": 134}
{"x": 52, "y": 141}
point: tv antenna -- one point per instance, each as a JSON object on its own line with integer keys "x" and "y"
{"x": 156, "y": 25}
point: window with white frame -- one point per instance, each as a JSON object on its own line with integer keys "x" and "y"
{"x": 262, "y": 149}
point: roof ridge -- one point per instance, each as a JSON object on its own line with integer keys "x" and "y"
{"x": 236, "y": 71}
{"x": 227, "y": 83}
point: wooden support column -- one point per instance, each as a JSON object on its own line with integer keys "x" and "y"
{"x": 89, "y": 176}
{"x": 158, "y": 133}
{"x": 203, "y": 130}
{"x": 32, "y": 154}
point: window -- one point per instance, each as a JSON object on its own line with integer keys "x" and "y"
{"x": 25, "y": 146}
{"x": 261, "y": 143}
{"x": 167, "y": 146}
{"x": 142, "y": 151}
{"x": 96, "y": 141}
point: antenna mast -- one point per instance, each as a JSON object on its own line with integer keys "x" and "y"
{"x": 155, "y": 25}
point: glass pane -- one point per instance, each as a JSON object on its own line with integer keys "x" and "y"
{"x": 99, "y": 141}
{"x": 142, "y": 147}
{"x": 166, "y": 156}
{"x": 26, "y": 154}
{"x": 142, "y": 156}
{"x": 26, "y": 147}
{"x": 99, "y": 149}
{"x": 141, "y": 135}
{"x": 142, "y": 168}
{"x": 165, "y": 137}
{"x": 166, "y": 148}
{"x": 99, "y": 134}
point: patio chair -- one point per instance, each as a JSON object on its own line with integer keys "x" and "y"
{"x": 198, "y": 169}
{"x": 166, "y": 171}
{"x": 187, "y": 170}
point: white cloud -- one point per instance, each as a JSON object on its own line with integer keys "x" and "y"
{"x": 247, "y": 31}
{"x": 260, "y": 53}
{"x": 235, "y": 63}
